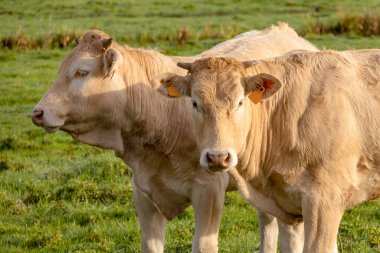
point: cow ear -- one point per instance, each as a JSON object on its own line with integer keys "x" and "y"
{"x": 261, "y": 86}
{"x": 112, "y": 60}
{"x": 172, "y": 85}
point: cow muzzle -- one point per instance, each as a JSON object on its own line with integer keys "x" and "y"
{"x": 40, "y": 117}
{"x": 218, "y": 160}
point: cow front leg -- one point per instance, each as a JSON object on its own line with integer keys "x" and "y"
{"x": 291, "y": 237}
{"x": 321, "y": 217}
{"x": 152, "y": 223}
{"x": 268, "y": 232}
{"x": 208, "y": 201}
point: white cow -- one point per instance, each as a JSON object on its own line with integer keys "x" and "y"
{"x": 102, "y": 96}
{"x": 303, "y": 128}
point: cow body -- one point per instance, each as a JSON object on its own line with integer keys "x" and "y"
{"x": 304, "y": 127}
{"x": 103, "y": 97}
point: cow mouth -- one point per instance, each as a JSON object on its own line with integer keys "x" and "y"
{"x": 54, "y": 129}
{"x": 217, "y": 169}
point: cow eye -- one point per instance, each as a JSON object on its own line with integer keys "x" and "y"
{"x": 81, "y": 73}
{"x": 241, "y": 103}
{"x": 195, "y": 106}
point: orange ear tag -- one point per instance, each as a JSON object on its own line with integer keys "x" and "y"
{"x": 173, "y": 92}
{"x": 257, "y": 95}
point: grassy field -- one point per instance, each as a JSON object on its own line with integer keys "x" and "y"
{"x": 58, "y": 195}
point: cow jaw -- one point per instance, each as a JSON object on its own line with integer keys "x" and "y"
{"x": 110, "y": 138}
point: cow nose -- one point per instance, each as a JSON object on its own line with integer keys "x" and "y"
{"x": 218, "y": 159}
{"x": 37, "y": 116}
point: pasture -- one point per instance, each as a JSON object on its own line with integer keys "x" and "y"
{"x": 58, "y": 195}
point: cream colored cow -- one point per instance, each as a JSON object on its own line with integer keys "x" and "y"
{"x": 102, "y": 96}
{"x": 303, "y": 128}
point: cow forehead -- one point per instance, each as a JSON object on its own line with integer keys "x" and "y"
{"x": 90, "y": 46}
{"x": 217, "y": 86}
{"x": 79, "y": 59}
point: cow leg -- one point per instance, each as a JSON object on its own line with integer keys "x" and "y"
{"x": 321, "y": 220}
{"x": 207, "y": 201}
{"x": 268, "y": 232}
{"x": 291, "y": 237}
{"x": 152, "y": 223}
{"x": 336, "y": 247}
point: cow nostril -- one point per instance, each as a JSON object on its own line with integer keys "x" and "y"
{"x": 209, "y": 158}
{"x": 228, "y": 158}
{"x": 38, "y": 114}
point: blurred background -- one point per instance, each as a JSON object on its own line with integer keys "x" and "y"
{"x": 58, "y": 195}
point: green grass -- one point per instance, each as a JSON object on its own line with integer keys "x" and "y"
{"x": 143, "y": 22}
{"x": 58, "y": 195}
{"x": 134, "y": 16}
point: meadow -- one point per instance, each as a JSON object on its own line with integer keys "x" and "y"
{"x": 59, "y": 195}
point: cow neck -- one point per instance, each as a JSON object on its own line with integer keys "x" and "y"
{"x": 260, "y": 132}
{"x": 276, "y": 128}
{"x": 151, "y": 63}
{"x": 155, "y": 120}
{"x": 252, "y": 155}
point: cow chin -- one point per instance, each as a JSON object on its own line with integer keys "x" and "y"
{"x": 51, "y": 130}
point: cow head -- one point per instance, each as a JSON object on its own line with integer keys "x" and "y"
{"x": 222, "y": 96}
{"x": 86, "y": 88}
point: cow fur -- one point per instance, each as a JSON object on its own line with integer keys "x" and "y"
{"x": 312, "y": 143}
{"x": 110, "y": 104}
